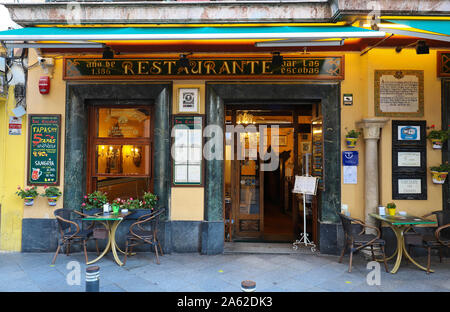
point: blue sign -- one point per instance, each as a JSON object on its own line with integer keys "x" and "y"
{"x": 409, "y": 133}
{"x": 350, "y": 158}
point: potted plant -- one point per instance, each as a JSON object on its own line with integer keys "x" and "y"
{"x": 439, "y": 173}
{"x": 391, "y": 208}
{"x": 437, "y": 137}
{"x": 52, "y": 193}
{"x": 351, "y": 137}
{"x": 93, "y": 202}
{"x": 149, "y": 200}
{"x": 131, "y": 205}
{"x": 28, "y": 194}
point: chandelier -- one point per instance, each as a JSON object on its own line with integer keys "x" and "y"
{"x": 245, "y": 118}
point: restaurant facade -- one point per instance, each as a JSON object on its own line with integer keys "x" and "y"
{"x": 215, "y": 107}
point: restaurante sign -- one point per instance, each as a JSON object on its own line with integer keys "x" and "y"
{"x": 330, "y": 67}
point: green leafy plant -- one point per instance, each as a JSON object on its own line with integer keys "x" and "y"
{"x": 27, "y": 192}
{"x": 149, "y": 200}
{"x": 352, "y": 133}
{"x": 445, "y": 167}
{"x": 51, "y": 191}
{"x": 131, "y": 204}
{"x": 391, "y": 206}
{"x": 441, "y": 135}
{"x": 94, "y": 200}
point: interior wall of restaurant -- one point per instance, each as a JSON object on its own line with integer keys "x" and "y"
{"x": 359, "y": 80}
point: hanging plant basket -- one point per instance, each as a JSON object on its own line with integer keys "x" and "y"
{"x": 351, "y": 142}
{"x": 439, "y": 177}
{"x": 52, "y": 200}
{"x": 437, "y": 143}
{"x": 29, "y": 201}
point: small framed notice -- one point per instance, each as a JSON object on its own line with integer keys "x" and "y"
{"x": 305, "y": 185}
{"x": 188, "y": 100}
{"x": 411, "y": 133}
{"x": 409, "y": 186}
{"x": 409, "y": 160}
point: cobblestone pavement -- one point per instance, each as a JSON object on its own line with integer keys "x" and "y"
{"x": 193, "y": 272}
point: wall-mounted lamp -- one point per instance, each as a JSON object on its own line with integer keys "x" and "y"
{"x": 277, "y": 60}
{"x": 184, "y": 61}
{"x": 108, "y": 53}
{"x": 421, "y": 47}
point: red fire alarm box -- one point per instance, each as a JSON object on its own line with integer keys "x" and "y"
{"x": 44, "y": 84}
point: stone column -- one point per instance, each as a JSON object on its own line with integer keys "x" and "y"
{"x": 371, "y": 131}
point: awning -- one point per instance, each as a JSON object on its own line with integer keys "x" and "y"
{"x": 420, "y": 28}
{"x": 108, "y": 34}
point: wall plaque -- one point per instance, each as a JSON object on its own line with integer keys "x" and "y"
{"x": 399, "y": 93}
{"x": 43, "y": 149}
{"x": 317, "y": 67}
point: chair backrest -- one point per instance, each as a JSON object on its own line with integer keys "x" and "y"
{"x": 63, "y": 215}
{"x": 443, "y": 218}
{"x": 346, "y": 224}
{"x": 151, "y": 218}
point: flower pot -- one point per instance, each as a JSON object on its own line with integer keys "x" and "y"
{"x": 29, "y": 201}
{"x": 391, "y": 211}
{"x": 52, "y": 200}
{"x": 437, "y": 144}
{"x": 115, "y": 209}
{"x": 91, "y": 212}
{"x": 439, "y": 177}
{"x": 351, "y": 142}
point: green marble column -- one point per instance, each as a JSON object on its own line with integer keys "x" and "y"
{"x": 161, "y": 153}
{"x": 214, "y": 168}
{"x": 75, "y": 151}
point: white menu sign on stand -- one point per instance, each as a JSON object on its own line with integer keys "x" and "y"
{"x": 305, "y": 185}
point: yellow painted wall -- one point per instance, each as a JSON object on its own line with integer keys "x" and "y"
{"x": 52, "y": 103}
{"x": 359, "y": 72}
{"x": 187, "y": 203}
{"x": 12, "y": 160}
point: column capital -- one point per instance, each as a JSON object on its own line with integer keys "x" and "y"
{"x": 371, "y": 127}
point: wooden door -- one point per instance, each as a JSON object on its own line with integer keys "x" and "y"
{"x": 248, "y": 187}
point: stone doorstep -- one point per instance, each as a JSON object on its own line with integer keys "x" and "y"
{"x": 265, "y": 248}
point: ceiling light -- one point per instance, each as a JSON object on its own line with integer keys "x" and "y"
{"x": 297, "y": 43}
{"x": 55, "y": 45}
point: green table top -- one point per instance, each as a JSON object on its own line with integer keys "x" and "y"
{"x": 105, "y": 217}
{"x": 401, "y": 220}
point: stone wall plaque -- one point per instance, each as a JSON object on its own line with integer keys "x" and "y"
{"x": 443, "y": 62}
{"x": 399, "y": 93}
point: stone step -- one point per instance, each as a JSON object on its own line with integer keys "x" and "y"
{"x": 264, "y": 248}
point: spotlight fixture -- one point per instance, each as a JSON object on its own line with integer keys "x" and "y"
{"x": 422, "y": 47}
{"x": 108, "y": 53}
{"x": 277, "y": 60}
{"x": 184, "y": 61}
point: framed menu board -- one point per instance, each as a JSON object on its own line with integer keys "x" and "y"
{"x": 317, "y": 151}
{"x": 187, "y": 150}
{"x": 44, "y": 141}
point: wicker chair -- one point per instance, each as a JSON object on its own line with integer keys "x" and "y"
{"x": 440, "y": 239}
{"x": 70, "y": 232}
{"x": 144, "y": 231}
{"x": 357, "y": 241}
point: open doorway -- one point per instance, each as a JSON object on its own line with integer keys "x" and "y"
{"x": 259, "y": 199}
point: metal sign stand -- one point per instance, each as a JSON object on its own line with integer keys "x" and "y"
{"x": 304, "y": 236}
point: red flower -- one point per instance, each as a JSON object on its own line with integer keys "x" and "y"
{"x": 45, "y": 186}
{"x": 83, "y": 204}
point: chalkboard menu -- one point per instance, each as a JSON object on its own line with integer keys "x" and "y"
{"x": 43, "y": 149}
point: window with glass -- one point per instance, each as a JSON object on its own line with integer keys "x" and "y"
{"x": 120, "y": 150}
